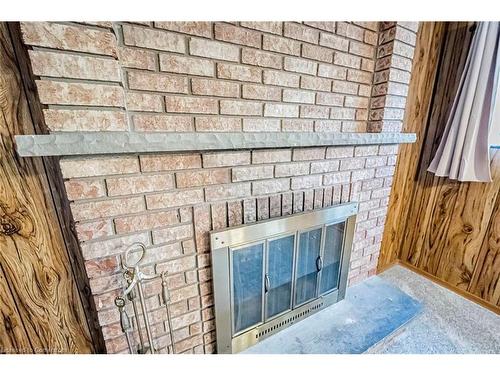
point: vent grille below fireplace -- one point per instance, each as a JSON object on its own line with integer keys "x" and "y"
{"x": 274, "y": 273}
{"x": 288, "y": 321}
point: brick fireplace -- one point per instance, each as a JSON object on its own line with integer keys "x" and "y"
{"x": 227, "y": 78}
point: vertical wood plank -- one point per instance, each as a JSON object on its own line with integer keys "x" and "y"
{"x": 485, "y": 281}
{"x": 425, "y": 65}
{"x": 471, "y": 217}
{"x": 33, "y": 259}
{"x": 13, "y": 335}
{"x": 433, "y": 198}
{"x": 58, "y": 192}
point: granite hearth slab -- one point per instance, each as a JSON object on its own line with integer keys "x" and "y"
{"x": 95, "y": 143}
{"x": 370, "y": 312}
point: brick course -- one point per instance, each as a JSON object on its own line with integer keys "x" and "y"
{"x": 205, "y": 76}
{"x": 153, "y": 203}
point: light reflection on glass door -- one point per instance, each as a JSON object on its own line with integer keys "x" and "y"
{"x": 307, "y": 271}
{"x": 247, "y": 275}
{"x": 279, "y": 275}
{"x": 332, "y": 254}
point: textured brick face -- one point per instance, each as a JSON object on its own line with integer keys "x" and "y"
{"x": 53, "y": 64}
{"x": 217, "y": 77}
{"x": 70, "y": 38}
{"x": 171, "y": 201}
{"x": 82, "y": 94}
{"x": 137, "y": 67}
{"x": 154, "y": 39}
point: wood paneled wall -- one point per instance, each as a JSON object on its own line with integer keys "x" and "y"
{"x": 447, "y": 230}
{"x": 41, "y": 304}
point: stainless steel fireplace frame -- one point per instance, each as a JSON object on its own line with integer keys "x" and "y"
{"x": 225, "y": 242}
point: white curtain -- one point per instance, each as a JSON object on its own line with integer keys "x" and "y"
{"x": 463, "y": 153}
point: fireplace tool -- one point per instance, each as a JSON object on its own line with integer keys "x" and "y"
{"x": 134, "y": 293}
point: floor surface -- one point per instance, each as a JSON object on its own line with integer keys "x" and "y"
{"x": 419, "y": 317}
{"x": 448, "y": 324}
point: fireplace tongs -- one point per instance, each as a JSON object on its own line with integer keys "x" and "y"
{"x": 135, "y": 277}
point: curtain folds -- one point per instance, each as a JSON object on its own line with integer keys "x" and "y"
{"x": 463, "y": 153}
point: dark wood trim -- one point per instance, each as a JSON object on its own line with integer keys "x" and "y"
{"x": 58, "y": 192}
{"x": 387, "y": 266}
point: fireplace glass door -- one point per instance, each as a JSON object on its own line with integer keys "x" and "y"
{"x": 307, "y": 265}
{"x": 331, "y": 258}
{"x": 278, "y": 278}
{"x": 274, "y": 273}
{"x": 247, "y": 285}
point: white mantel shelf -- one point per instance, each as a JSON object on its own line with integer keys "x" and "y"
{"x": 98, "y": 143}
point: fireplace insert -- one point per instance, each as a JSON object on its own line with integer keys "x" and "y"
{"x": 271, "y": 274}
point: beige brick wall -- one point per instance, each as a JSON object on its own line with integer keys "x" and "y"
{"x": 203, "y": 76}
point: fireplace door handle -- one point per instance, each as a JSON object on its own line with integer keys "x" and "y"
{"x": 267, "y": 283}
{"x": 319, "y": 263}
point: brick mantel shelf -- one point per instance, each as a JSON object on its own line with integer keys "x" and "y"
{"x": 93, "y": 143}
